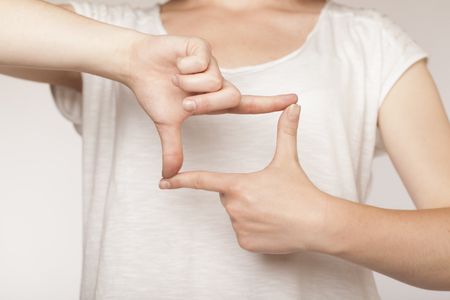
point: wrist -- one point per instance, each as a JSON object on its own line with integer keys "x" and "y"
{"x": 121, "y": 66}
{"x": 334, "y": 225}
{"x": 113, "y": 53}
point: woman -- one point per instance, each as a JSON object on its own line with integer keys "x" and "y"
{"x": 356, "y": 73}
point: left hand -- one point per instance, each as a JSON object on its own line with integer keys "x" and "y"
{"x": 277, "y": 210}
{"x": 175, "y": 77}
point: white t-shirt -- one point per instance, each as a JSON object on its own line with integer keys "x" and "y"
{"x": 144, "y": 243}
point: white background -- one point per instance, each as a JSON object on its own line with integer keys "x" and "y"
{"x": 40, "y": 172}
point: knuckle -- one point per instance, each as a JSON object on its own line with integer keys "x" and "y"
{"x": 251, "y": 105}
{"x": 204, "y": 46}
{"x": 235, "y": 188}
{"x": 236, "y": 226}
{"x": 235, "y": 95}
{"x": 196, "y": 41}
{"x": 203, "y": 64}
{"x": 239, "y": 188}
{"x": 246, "y": 243}
{"x": 233, "y": 209}
{"x": 202, "y": 43}
{"x": 198, "y": 182}
{"x": 202, "y": 104}
{"x": 290, "y": 130}
{"x": 215, "y": 82}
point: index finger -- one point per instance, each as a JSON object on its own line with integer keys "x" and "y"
{"x": 250, "y": 104}
{"x": 263, "y": 104}
{"x": 208, "y": 181}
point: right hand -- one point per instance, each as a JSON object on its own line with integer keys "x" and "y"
{"x": 175, "y": 77}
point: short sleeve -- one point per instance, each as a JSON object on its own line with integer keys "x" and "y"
{"x": 70, "y": 104}
{"x": 399, "y": 52}
{"x": 69, "y": 101}
{"x": 119, "y": 15}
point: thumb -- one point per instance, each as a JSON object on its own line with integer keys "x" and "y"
{"x": 286, "y": 150}
{"x": 172, "y": 149}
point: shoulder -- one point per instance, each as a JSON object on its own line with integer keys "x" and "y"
{"x": 126, "y": 15}
{"x": 357, "y": 15}
{"x": 367, "y": 22}
{"x": 372, "y": 31}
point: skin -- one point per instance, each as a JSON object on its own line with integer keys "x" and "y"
{"x": 278, "y": 210}
{"x": 285, "y": 25}
{"x": 411, "y": 246}
{"x": 182, "y": 72}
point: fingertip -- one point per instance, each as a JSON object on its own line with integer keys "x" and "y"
{"x": 293, "y": 112}
{"x": 164, "y": 184}
{"x": 169, "y": 172}
{"x": 191, "y": 65}
{"x": 189, "y": 105}
{"x": 291, "y": 97}
{"x": 171, "y": 167}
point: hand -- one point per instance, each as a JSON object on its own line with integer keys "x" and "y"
{"x": 277, "y": 210}
{"x": 160, "y": 70}
{"x": 176, "y": 77}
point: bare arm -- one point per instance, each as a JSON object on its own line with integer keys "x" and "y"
{"x": 416, "y": 133}
{"x": 64, "y": 78}
{"x": 411, "y": 246}
{"x": 40, "y": 52}
{"x": 279, "y": 210}
{"x": 183, "y": 75}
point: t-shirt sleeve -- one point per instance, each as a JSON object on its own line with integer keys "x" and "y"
{"x": 69, "y": 101}
{"x": 399, "y": 52}
{"x": 70, "y": 104}
{"x": 120, "y": 15}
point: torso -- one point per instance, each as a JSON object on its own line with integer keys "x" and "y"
{"x": 143, "y": 242}
{"x": 247, "y": 36}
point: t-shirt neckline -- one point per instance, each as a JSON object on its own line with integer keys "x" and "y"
{"x": 264, "y": 65}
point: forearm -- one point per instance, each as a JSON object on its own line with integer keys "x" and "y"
{"x": 410, "y": 246}
{"x": 36, "y": 34}
{"x": 54, "y": 77}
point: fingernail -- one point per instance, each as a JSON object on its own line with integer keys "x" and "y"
{"x": 288, "y": 97}
{"x": 164, "y": 184}
{"x": 293, "y": 112}
{"x": 189, "y": 105}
